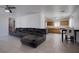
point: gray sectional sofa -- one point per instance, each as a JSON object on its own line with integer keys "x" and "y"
{"x": 30, "y": 36}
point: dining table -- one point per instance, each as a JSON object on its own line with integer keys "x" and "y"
{"x": 64, "y": 30}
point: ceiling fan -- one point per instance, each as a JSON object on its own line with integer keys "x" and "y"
{"x": 8, "y": 8}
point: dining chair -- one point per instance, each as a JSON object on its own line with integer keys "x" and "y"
{"x": 69, "y": 35}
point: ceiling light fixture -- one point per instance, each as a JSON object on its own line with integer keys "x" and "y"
{"x": 6, "y": 10}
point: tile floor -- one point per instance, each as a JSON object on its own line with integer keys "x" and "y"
{"x": 53, "y": 44}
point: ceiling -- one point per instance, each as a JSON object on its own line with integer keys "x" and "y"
{"x": 49, "y": 10}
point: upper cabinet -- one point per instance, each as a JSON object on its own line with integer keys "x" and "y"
{"x": 64, "y": 22}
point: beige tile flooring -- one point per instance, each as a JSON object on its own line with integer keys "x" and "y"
{"x": 53, "y": 44}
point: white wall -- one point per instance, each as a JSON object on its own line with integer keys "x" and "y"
{"x": 43, "y": 20}
{"x": 3, "y": 25}
{"x": 29, "y": 21}
{"x": 74, "y": 20}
